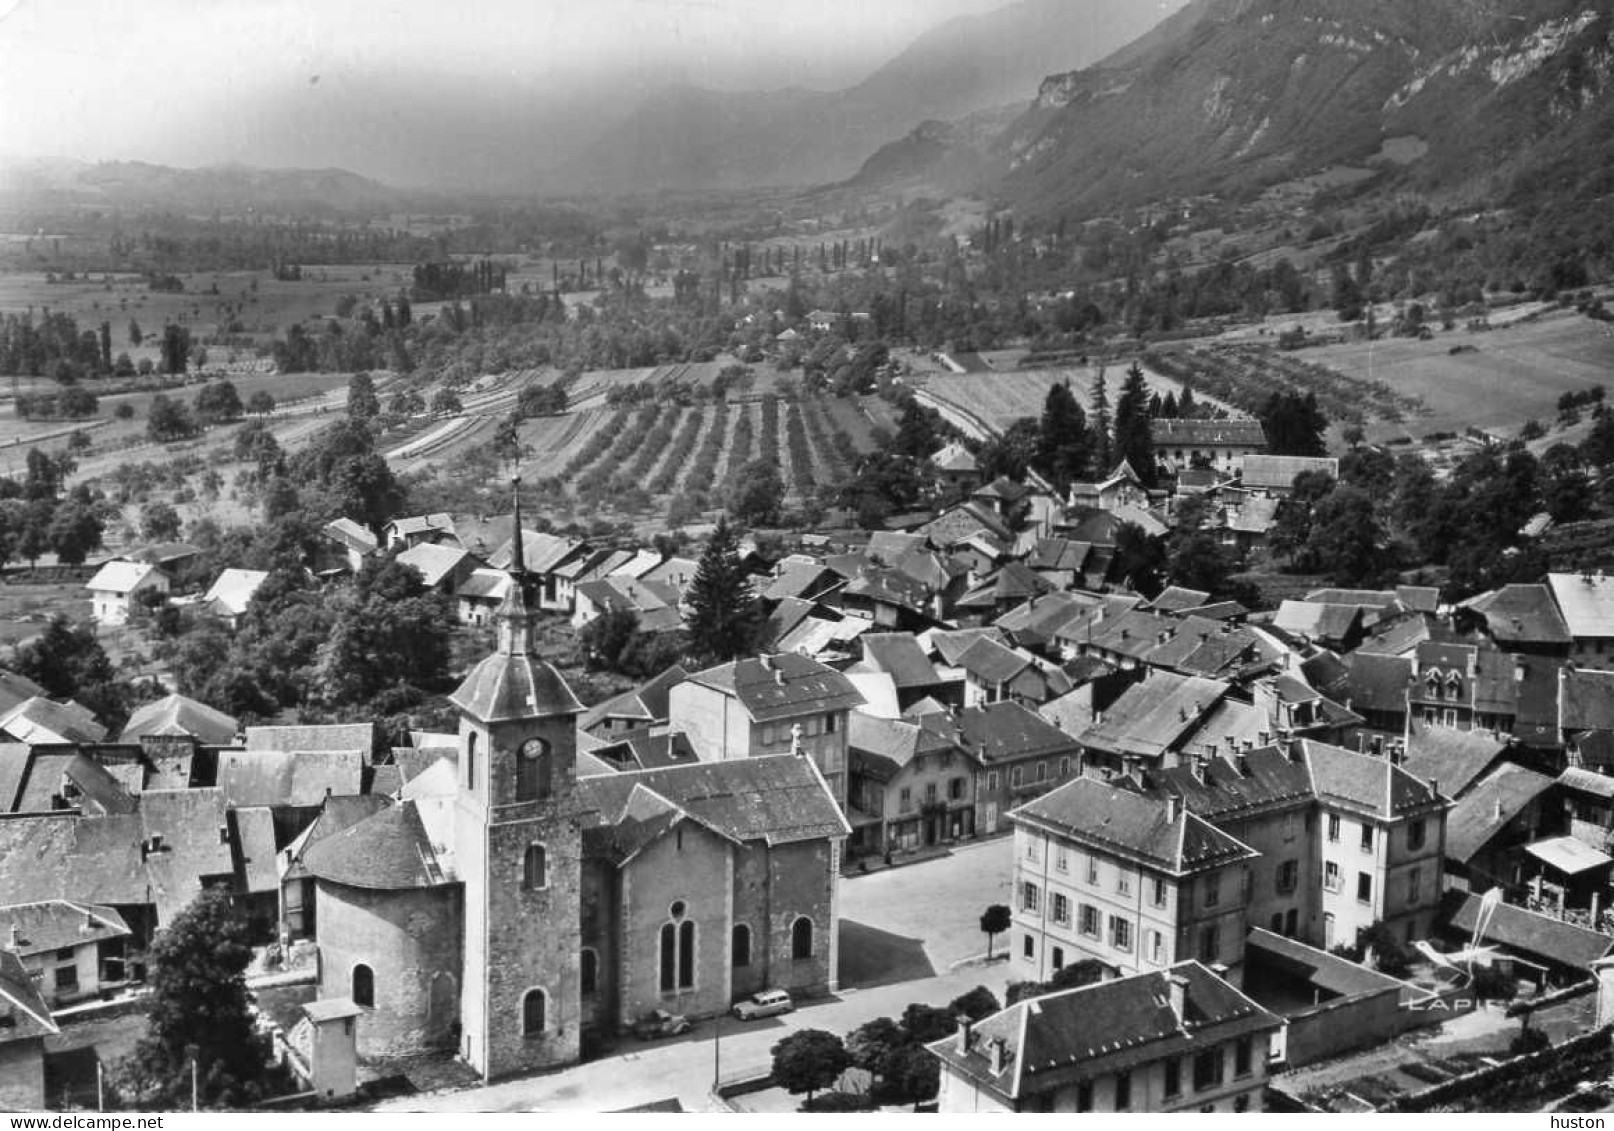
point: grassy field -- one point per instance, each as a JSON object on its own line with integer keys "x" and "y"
{"x": 1507, "y": 377}
{"x": 990, "y": 402}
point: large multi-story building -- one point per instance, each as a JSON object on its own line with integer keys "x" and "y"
{"x": 768, "y": 705}
{"x": 1304, "y": 839}
{"x": 1178, "y": 1039}
{"x": 1135, "y": 882}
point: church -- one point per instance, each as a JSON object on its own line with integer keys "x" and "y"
{"x": 520, "y": 909}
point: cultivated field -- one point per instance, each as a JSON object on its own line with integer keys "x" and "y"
{"x": 983, "y": 404}
{"x": 1507, "y": 376}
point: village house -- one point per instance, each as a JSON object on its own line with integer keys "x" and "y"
{"x": 228, "y": 597}
{"x": 1121, "y": 488}
{"x": 348, "y": 543}
{"x": 646, "y": 707}
{"x": 910, "y": 785}
{"x": 769, "y": 705}
{"x": 442, "y": 568}
{"x": 1174, "y": 1040}
{"x": 70, "y": 950}
{"x": 116, "y": 589}
{"x": 1275, "y": 475}
{"x": 403, "y": 533}
{"x": 1018, "y": 755}
{"x": 1586, "y": 601}
{"x": 1219, "y": 444}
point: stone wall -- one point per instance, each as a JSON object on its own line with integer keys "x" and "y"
{"x": 411, "y": 941}
{"x": 689, "y": 865}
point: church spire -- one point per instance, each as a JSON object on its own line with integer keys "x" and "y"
{"x": 514, "y": 617}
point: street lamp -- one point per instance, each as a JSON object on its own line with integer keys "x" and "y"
{"x": 717, "y": 1051}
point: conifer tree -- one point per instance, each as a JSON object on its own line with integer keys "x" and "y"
{"x": 722, "y": 619}
{"x": 1134, "y": 441}
{"x": 1102, "y": 450}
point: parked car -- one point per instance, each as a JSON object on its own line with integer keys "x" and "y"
{"x": 768, "y": 1003}
{"x": 660, "y": 1023}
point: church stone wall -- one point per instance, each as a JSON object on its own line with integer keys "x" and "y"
{"x": 408, "y": 939}
{"x": 690, "y": 865}
{"x": 802, "y": 878}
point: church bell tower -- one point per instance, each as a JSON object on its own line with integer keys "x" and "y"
{"x": 518, "y": 848}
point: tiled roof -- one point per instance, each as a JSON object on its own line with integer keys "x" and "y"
{"x": 20, "y": 1001}
{"x": 336, "y": 814}
{"x": 180, "y": 715}
{"x": 1318, "y": 621}
{"x": 284, "y": 778}
{"x": 98, "y": 786}
{"x": 1379, "y": 683}
{"x": 991, "y": 663}
{"x": 232, "y": 592}
{"x": 1489, "y": 806}
{"x": 899, "y": 655}
{"x": 41, "y": 721}
{"x": 351, "y": 535}
{"x": 646, "y": 703}
{"x": 779, "y": 800}
{"x": 1177, "y": 433}
{"x": 388, "y": 851}
{"x": 1586, "y": 601}
{"x": 1176, "y": 599}
{"x": 1227, "y": 788}
{"x": 540, "y": 553}
{"x": 1529, "y": 933}
{"x": 255, "y": 849}
{"x": 485, "y": 584}
{"x": 423, "y": 523}
{"x": 1365, "y": 783}
{"x": 1053, "y": 1041}
{"x": 781, "y": 686}
{"x": 641, "y": 750}
{"x": 1277, "y": 473}
{"x": 40, "y": 928}
{"x": 1452, "y": 759}
{"x": 1007, "y": 732}
{"x": 807, "y": 581}
{"x": 896, "y": 741}
{"x": 329, "y": 736}
{"x": 951, "y": 644}
{"x": 889, "y": 587}
{"x": 1119, "y": 820}
{"x": 1367, "y": 598}
{"x": 432, "y": 562}
{"x": 1419, "y": 598}
{"x": 1151, "y": 716}
{"x": 1587, "y": 781}
{"x": 956, "y": 458}
{"x": 15, "y": 688}
{"x": 960, "y": 523}
{"x": 888, "y": 546}
{"x": 120, "y": 577}
{"x": 1059, "y": 554}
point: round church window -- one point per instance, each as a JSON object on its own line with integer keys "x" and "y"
{"x": 677, "y": 909}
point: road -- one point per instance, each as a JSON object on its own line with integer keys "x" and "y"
{"x": 903, "y": 931}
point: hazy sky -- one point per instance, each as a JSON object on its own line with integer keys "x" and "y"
{"x": 197, "y": 81}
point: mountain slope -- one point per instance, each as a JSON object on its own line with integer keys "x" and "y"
{"x": 1240, "y": 92}
{"x": 224, "y": 187}
{"x": 689, "y": 138}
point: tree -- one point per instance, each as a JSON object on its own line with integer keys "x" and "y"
{"x": 1103, "y": 453}
{"x": 917, "y": 435}
{"x": 926, "y": 1023}
{"x": 1011, "y": 452}
{"x": 168, "y": 420}
{"x": 199, "y": 1009}
{"x": 809, "y": 1061}
{"x": 1134, "y": 439}
{"x": 977, "y": 1004}
{"x": 69, "y": 663}
{"x": 176, "y": 349}
{"x": 135, "y": 336}
{"x": 871, "y": 1043}
{"x": 603, "y": 640}
{"x": 364, "y": 489}
{"x": 75, "y": 529}
{"x": 217, "y": 402}
{"x": 1294, "y": 425}
{"x": 261, "y": 403}
{"x": 994, "y": 921}
{"x": 912, "y": 1073}
{"x": 362, "y": 403}
{"x": 722, "y": 621}
{"x": 1062, "y": 439}
{"x": 756, "y": 494}
{"x": 159, "y": 522}
{"x": 1346, "y": 535}
{"x": 446, "y": 402}
{"x": 390, "y": 630}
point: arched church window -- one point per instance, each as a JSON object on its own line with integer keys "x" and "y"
{"x": 801, "y": 938}
{"x": 534, "y": 1010}
{"x": 363, "y": 985}
{"x": 535, "y": 868}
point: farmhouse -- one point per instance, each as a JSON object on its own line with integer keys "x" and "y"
{"x": 116, "y": 588}
{"x": 1219, "y": 444}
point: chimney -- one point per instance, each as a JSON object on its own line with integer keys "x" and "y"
{"x": 16, "y": 937}
{"x": 89, "y": 921}
{"x": 1232, "y": 741}
{"x": 1177, "y": 994}
{"x": 995, "y": 1050}
{"x": 1518, "y": 669}
{"x": 1266, "y": 738}
{"x": 1434, "y": 786}
{"x": 965, "y": 1027}
{"x": 779, "y": 676}
{"x": 1496, "y": 809}
{"x": 1243, "y": 763}
{"x": 1173, "y": 808}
